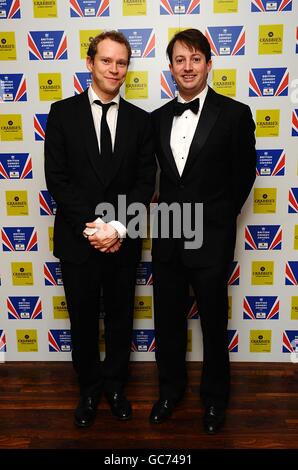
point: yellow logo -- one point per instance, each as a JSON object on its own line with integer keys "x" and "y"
{"x": 224, "y": 81}
{"x": 45, "y": 8}
{"x": 146, "y": 244}
{"x": 102, "y": 344}
{"x": 189, "y": 341}
{"x": 270, "y": 39}
{"x": 296, "y": 237}
{"x": 134, "y": 7}
{"x": 294, "y": 308}
{"x": 267, "y": 122}
{"x": 230, "y": 304}
{"x": 86, "y": 36}
{"x": 16, "y": 203}
{"x": 173, "y": 31}
{"x": 8, "y": 49}
{"x": 260, "y": 341}
{"x": 50, "y": 88}
{"x": 225, "y": 6}
{"x": 50, "y": 235}
{"x": 136, "y": 85}
{"x": 262, "y": 273}
{"x": 60, "y": 311}
{"x": 11, "y": 127}
{"x": 27, "y": 340}
{"x": 22, "y": 274}
{"x": 264, "y": 200}
{"x": 143, "y": 307}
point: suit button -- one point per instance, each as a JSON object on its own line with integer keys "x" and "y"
{"x": 182, "y": 186}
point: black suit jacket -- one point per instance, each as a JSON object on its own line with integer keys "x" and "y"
{"x": 219, "y": 172}
{"x": 74, "y": 174}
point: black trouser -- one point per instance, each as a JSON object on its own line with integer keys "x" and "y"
{"x": 82, "y": 284}
{"x": 171, "y": 292}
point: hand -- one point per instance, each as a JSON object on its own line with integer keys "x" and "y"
{"x": 104, "y": 237}
{"x": 92, "y": 228}
{"x": 117, "y": 245}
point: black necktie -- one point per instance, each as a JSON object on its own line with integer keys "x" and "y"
{"x": 194, "y": 106}
{"x": 106, "y": 148}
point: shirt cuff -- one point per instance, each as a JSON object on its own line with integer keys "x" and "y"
{"x": 121, "y": 229}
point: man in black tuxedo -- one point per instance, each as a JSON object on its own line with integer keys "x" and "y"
{"x": 97, "y": 147}
{"x": 205, "y": 146}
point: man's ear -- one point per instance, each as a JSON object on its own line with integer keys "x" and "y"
{"x": 89, "y": 63}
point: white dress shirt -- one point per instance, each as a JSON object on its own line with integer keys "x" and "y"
{"x": 183, "y": 129}
{"x": 112, "y": 116}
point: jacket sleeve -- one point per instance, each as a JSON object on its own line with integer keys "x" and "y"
{"x": 243, "y": 158}
{"x": 70, "y": 202}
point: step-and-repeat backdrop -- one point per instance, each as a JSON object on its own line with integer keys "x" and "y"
{"x": 43, "y": 46}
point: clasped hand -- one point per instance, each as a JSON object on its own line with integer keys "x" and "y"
{"x": 105, "y": 238}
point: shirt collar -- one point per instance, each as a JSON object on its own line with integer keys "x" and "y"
{"x": 201, "y": 95}
{"x": 93, "y": 96}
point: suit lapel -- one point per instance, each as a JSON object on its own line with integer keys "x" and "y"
{"x": 165, "y": 135}
{"x": 89, "y": 134}
{"x": 206, "y": 122}
{"x": 123, "y": 130}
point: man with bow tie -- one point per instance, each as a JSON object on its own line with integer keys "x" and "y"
{"x": 205, "y": 147}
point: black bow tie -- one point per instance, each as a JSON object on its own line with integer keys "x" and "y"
{"x": 179, "y": 108}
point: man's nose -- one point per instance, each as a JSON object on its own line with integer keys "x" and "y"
{"x": 114, "y": 67}
{"x": 188, "y": 64}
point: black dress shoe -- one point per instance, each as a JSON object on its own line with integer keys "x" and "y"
{"x": 161, "y": 411}
{"x": 85, "y": 412}
{"x": 213, "y": 419}
{"x": 120, "y": 406}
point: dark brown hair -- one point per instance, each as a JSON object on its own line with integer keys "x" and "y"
{"x": 193, "y": 39}
{"x": 114, "y": 36}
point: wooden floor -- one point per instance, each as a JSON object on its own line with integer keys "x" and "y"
{"x": 37, "y": 402}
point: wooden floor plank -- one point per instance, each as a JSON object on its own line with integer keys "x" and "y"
{"x": 37, "y": 402}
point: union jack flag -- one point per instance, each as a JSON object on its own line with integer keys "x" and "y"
{"x": 101, "y": 5}
{"x": 290, "y": 341}
{"x": 2, "y": 341}
{"x": 234, "y": 277}
{"x": 293, "y": 201}
{"x": 233, "y": 338}
{"x": 40, "y": 122}
{"x": 295, "y": 123}
{"x": 291, "y": 278}
{"x": 267, "y": 6}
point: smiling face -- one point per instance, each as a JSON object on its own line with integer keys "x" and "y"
{"x": 108, "y": 68}
{"x": 189, "y": 69}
